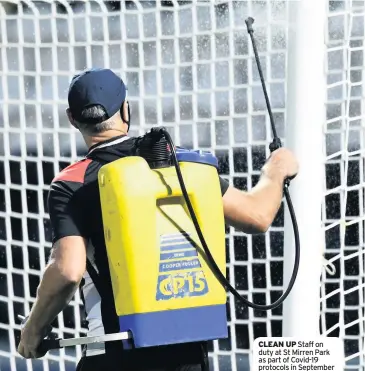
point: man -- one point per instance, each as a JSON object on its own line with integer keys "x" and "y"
{"x": 99, "y": 110}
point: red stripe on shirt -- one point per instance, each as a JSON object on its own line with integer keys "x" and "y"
{"x": 74, "y": 173}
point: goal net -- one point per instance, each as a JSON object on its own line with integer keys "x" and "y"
{"x": 189, "y": 66}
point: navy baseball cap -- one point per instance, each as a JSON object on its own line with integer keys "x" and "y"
{"x": 96, "y": 86}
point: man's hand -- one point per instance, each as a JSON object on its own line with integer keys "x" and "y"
{"x": 280, "y": 165}
{"x": 30, "y": 340}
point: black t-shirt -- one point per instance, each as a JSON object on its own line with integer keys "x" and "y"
{"x": 74, "y": 208}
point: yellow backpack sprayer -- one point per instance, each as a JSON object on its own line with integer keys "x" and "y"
{"x": 164, "y": 290}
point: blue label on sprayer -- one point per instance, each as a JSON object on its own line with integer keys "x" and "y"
{"x": 180, "y": 271}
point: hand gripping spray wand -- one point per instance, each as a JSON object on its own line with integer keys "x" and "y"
{"x": 155, "y": 136}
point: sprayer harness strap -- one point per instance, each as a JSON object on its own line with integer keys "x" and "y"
{"x": 103, "y": 158}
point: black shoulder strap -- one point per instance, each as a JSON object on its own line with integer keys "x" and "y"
{"x": 102, "y": 158}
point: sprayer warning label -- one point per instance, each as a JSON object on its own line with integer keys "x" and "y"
{"x": 277, "y": 354}
{"x": 177, "y": 279}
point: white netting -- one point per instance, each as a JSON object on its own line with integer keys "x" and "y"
{"x": 343, "y": 286}
{"x": 189, "y": 68}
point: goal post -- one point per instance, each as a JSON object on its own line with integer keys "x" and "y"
{"x": 305, "y": 122}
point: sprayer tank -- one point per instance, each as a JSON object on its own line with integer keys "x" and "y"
{"x": 164, "y": 290}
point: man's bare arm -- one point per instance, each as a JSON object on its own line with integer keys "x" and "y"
{"x": 60, "y": 281}
{"x": 251, "y": 212}
{"x": 254, "y": 211}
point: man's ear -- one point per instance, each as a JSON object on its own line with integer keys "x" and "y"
{"x": 125, "y": 111}
{"x": 70, "y": 118}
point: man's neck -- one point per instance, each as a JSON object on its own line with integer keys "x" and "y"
{"x": 102, "y": 137}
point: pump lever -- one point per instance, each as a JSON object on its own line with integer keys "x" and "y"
{"x": 61, "y": 343}
{"x": 48, "y": 343}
